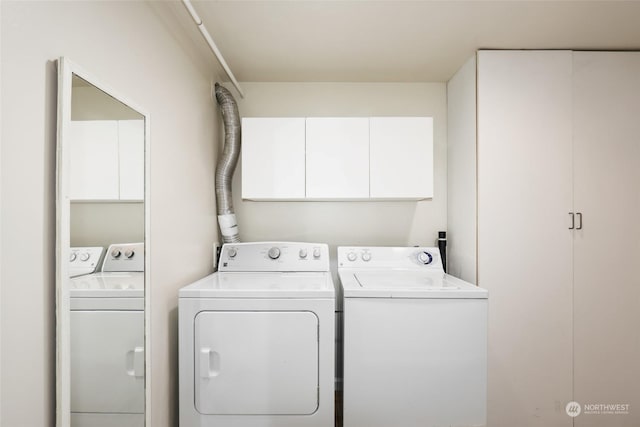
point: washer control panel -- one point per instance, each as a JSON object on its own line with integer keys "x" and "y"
{"x": 422, "y": 258}
{"x": 84, "y": 260}
{"x": 274, "y": 256}
{"x": 124, "y": 257}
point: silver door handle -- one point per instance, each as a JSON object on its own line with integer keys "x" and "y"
{"x": 579, "y": 227}
{"x": 573, "y": 221}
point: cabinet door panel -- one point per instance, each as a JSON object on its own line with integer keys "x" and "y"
{"x": 337, "y": 157}
{"x": 607, "y": 248}
{"x": 273, "y": 158}
{"x": 524, "y": 246}
{"x": 94, "y": 160}
{"x": 131, "y": 155}
{"x": 401, "y": 157}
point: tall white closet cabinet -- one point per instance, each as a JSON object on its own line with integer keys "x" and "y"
{"x": 558, "y": 236}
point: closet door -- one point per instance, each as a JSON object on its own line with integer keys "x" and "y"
{"x": 524, "y": 244}
{"x": 607, "y": 248}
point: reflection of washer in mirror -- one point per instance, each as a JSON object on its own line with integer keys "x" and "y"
{"x": 107, "y": 341}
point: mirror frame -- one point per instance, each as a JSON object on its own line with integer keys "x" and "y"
{"x": 66, "y": 70}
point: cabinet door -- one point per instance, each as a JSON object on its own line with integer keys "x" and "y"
{"x": 401, "y": 157}
{"x": 131, "y": 159}
{"x": 273, "y": 159}
{"x": 94, "y": 160}
{"x": 607, "y": 248}
{"x": 337, "y": 158}
{"x": 524, "y": 245}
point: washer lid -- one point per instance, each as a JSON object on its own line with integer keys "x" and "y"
{"x": 108, "y": 285}
{"x": 261, "y": 285}
{"x": 406, "y": 284}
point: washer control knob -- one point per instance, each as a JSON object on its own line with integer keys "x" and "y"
{"x": 129, "y": 253}
{"x": 351, "y": 256}
{"x": 316, "y": 253}
{"x": 366, "y": 256}
{"x": 303, "y": 253}
{"x": 232, "y": 252}
{"x": 116, "y": 253}
{"x": 73, "y": 256}
{"x": 274, "y": 253}
{"x": 84, "y": 256}
{"x": 425, "y": 258}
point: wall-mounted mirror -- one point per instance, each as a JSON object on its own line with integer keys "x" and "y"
{"x": 102, "y": 256}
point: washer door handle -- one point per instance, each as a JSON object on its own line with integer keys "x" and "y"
{"x": 209, "y": 363}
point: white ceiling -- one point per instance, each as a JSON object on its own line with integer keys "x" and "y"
{"x": 415, "y": 41}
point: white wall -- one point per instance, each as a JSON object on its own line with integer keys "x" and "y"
{"x": 348, "y": 223}
{"x": 131, "y": 47}
{"x": 461, "y": 169}
{"x": 90, "y": 103}
{"x": 101, "y": 224}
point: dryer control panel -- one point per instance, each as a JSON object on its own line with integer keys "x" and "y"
{"x": 124, "y": 257}
{"x": 412, "y": 258}
{"x": 274, "y": 256}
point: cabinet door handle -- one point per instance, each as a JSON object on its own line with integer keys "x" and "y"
{"x": 573, "y": 221}
{"x": 579, "y": 227}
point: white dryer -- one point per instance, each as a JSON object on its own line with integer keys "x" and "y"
{"x": 107, "y": 341}
{"x": 257, "y": 339}
{"x": 415, "y": 340}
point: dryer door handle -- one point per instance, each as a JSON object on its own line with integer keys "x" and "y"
{"x": 209, "y": 363}
{"x": 135, "y": 362}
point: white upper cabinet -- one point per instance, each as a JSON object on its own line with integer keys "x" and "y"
{"x": 131, "y": 159}
{"x": 94, "y": 156}
{"x": 108, "y": 160}
{"x": 273, "y": 158}
{"x": 401, "y": 157}
{"x": 337, "y": 158}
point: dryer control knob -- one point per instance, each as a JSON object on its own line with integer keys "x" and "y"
{"x": 72, "y": 257}
{"x": 84, "y": 256}
{"x": 316, "y": 252}
{"x": 129, "y": 253}
{"x": 366, "y": 256}
{"x": 302, "y": 253}
{"x": 351, "y": 256}
{"x": 232, "y": 252}
{"x": 425, "y": 258}
{"x": 274, "y": 253}
{"x": 116, "y": 253}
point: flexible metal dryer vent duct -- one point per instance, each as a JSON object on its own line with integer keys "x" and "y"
{"x": 227, "y": 165}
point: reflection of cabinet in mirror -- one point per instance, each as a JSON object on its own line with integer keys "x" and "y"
{"x": 107, "y": 160}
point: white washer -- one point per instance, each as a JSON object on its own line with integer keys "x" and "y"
{"x": 415, "y": 340}
{"x": 257, "y": 339}
{"x": 107, "y": 341}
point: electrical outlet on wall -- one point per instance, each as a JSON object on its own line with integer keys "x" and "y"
{"x": 216, "y": 254}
